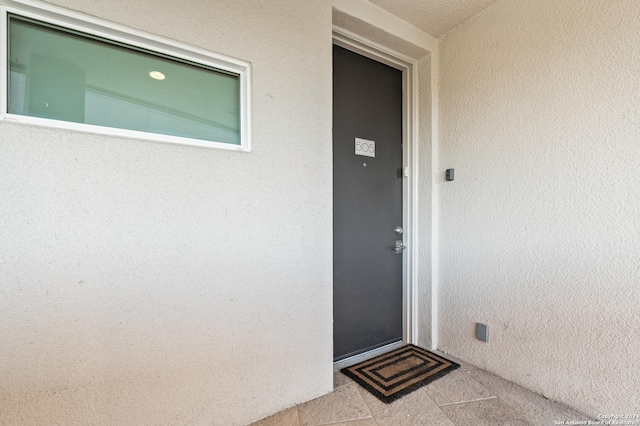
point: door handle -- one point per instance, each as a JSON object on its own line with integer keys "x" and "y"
{"x": 399, "y": 248}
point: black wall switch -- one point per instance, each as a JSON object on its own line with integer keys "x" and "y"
{"x": 449, "y": 174}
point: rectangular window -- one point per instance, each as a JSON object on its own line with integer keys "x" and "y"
{"x": 76, "y": 77}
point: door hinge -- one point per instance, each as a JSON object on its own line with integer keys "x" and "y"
{"x": 405, "y": 171}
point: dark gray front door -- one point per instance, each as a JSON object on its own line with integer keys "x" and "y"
{"x": 367, "y": 204}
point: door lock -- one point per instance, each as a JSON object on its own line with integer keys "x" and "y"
{"x": 398, "y": 248}
{"x": 399, "y": 230}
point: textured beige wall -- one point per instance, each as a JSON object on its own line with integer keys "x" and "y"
{"x": 147, "y": 283}
{"x": 424, "y": 201}
{"x": 540, "y": 232}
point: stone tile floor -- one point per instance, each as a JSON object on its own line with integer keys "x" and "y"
{"x": 467, "y": 396}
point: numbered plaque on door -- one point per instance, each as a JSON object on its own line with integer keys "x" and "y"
{"x": 365, "y": 147}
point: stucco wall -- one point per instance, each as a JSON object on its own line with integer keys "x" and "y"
{"x": 424, "y": 201}
{"x": 148, "y": 283}
{"x": 540, "y": 231}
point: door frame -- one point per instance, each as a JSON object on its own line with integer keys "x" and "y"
{"x": 379, "y": 53}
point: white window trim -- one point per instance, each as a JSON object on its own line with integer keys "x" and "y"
{"x": 110, "y": 31}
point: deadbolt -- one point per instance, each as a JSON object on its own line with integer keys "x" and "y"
{"x": 399, "y": 230}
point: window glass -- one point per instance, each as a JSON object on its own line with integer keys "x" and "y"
{"x": 61, "y": 74}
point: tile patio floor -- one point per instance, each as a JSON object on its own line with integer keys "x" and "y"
{"x": 467, "y": 396}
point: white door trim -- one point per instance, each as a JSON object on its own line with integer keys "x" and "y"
{"x": 408, "y": 66}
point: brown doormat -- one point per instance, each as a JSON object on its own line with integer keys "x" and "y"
{"x": 400, "y": 372}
